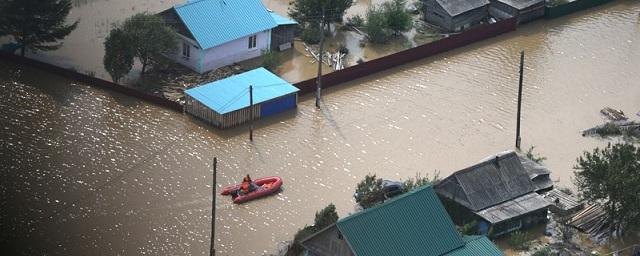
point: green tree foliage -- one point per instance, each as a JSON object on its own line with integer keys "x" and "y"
{"x": 386, "y": 20}
{"x": 470, "y": 228}
{"x": 270, "y": 60}
{"x": 305, "y": 11}
{"x": 118, "y": 58}
{"x": 531, "y": 155}
{"x": 369, "y": 191}
{"x": 544, "y": 251}
{"x": 311, "y": 33}
{"x": 150, "y": 37}
{"x": 35, "y": 24}
{"x": 519, "y": 240}
{"x": 323, "y": 219}
{"x": 398, "y": 19}
{"x": 377, "y": 28}
{"x": 419, "y": 181}
{"x": 611, "y": 176}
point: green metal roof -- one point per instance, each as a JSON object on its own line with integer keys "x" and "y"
{"x": 415, "y": 223}
{"x": 476, "y": 245}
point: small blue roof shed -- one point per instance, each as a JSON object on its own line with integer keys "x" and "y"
{"x": 224, "y": 102}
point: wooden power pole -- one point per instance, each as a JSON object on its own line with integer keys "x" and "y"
{"x": 518, "y": 139}
{"x": 251, "y": 112}
{"x": 212, "y": 251}
{"x": 319, "y": 82}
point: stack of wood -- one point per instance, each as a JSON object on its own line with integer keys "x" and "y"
{"x": 334, "y": 60}
{"x": 594, "y": 221}
{"x": 613, "y": 115}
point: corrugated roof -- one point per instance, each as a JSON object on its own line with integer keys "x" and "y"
{"x": 488, "y": 183}
{"x": 513, "y": 208}
{"x": 231, "y": 94}
{"x": 457, "y": 7}
{"x": 280, "y": 20}
{"x": 215, "y": 22}
{"x": 522, "y": 4}
{"x": 476, "y": 245}
{"x": 415, "y": 223}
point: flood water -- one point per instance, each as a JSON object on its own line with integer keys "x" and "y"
{"x": 93, "y": 172}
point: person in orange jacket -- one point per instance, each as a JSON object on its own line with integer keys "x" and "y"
{"x": 247, "y": 185}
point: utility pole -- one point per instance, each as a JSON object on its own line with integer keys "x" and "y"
{"x": 519, "y": 100}
{"x": 319, "y": 82}
{"x": 251, "y": 112}
{"x": 212, "y": 251}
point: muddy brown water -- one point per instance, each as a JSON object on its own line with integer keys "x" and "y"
{"x": 92, "y": 172}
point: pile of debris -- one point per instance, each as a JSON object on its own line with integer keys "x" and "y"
{"x": 334, "y": 60}
{"x": 171, "y": 82}
{"x": 594, "y": 221}
{"x": 618, "y": 124}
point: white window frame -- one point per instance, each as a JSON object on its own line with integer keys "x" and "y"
{"x": 253, "y": 41}
{"x": 186, "y": 50}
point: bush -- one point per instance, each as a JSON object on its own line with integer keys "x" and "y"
{"x": 608, "y": 129}
{"x": 519, "y": 240}
{"x": 377, "y": 27}
{"x": 323, "y": 219}
{"x": 418, "y": 181}
{"x": 545, "y": 251}
{"x": 311, "y": 33}
{"x": 270, "y": 60}
{"x": 356, "y": 21}
{"x": 534, "y": 157}
{"x": 470, "y": 228}
{"x": 369, "y": 191}
{"x": 398, "y": 19}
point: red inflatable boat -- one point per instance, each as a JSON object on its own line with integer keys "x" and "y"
{"x": 266, "y": 186}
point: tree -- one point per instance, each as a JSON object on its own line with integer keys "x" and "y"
{"x": 304, "y": 11}
{"x": 35, "y": 24}
{"x": 377, "y": 28}
{"x": 369, "y": 191}
{"x": 398, "y": 19}
{"x": 150, "y": 38}
{"x": 324, "y": 218}
{"x": 611, "y": 176}
{"x": 119, "y": 53}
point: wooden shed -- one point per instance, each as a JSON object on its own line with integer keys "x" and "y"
{"x": 525, "y": 10}
{"x": 455, "y": 15}
{"x": 282, "y": 35}
{"x": 497, "y": 192}
{"x": 226, "y": 103}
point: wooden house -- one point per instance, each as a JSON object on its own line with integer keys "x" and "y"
{"x": 525, "y": 10}
{"x": 282, "y": 35}
{"x": 455, "y": 15}
{"x": 496, "y": 192}
{"x": 226, "y": 103}
{"x": 414, "y": 223}
{"x": 217, "y": 33}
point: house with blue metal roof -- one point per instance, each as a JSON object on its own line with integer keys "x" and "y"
{"x": 217, "y": 33}
{"x": 415, "y": 223}
{"x": 227, "y": 102}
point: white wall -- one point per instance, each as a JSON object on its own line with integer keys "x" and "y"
{"x": 196, "y": 54}
{"x": 221, "y": 55}
{"x": 235, "y": 51}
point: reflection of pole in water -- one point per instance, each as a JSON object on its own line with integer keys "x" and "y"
{"x": 212, "y": 251}
{"x": 251, "y": 112}
{"x": 519, "y": 100}
{"x": 319, "y": 82}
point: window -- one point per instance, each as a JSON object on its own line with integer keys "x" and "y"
{"x": 186, "y": 50}
{"x": 252, "y": 41}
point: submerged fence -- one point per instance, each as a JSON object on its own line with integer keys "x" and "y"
{"x": 93, "y": 81}
{"x": 409, "y": 55}
{"x": 307, "y": 86}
